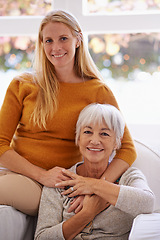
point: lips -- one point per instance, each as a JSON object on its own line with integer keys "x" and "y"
{"x": 58, "y": 56}
{"x": 95, "y": 149}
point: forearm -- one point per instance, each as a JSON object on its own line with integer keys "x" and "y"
{"x": 115, "y": 169}
{"x": 16, "y": 163}
{"x": 106, "y": 190}
{"x": 76, "y": 224}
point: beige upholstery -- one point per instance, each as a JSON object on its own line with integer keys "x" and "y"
{"x": 147, "y": 226}
{"x": 148, "y": 162}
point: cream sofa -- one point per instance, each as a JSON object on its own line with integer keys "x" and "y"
{"x": 18, "y": 226}
{"x": 147, "y": 226}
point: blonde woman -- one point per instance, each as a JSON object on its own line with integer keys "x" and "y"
{"x": 108, "y": 208}
{"x": 39, "y": 114}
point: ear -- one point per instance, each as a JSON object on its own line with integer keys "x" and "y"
{"x": 78, "y": 141}
{"x": 115, "y": 147}
{"x": 77, "y": 45}
{"x": 118, "y": 143}
{"x": 79, "y": 39}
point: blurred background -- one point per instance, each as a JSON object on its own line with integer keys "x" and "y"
{"x": 123, "y": 37}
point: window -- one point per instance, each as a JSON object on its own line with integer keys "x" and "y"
{"x": 19, "y": 21}
{"x": 29, "y": 7}
{"x": 130, "y": 64}
{"x": 123, "y": 39}
{"x": 121, "y": 6}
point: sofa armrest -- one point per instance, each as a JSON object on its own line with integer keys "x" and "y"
{"x": 146, "y": 227}
{"x": 16, "y": 225}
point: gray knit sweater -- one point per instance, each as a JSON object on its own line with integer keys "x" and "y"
{"x": 114, "y": 223}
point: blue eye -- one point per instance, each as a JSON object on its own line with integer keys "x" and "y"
{"x": 87, "y": 132}
{"x": 48, "y": 40}
{"x": 64, "y": 38}
{"x": 104, "y": 134}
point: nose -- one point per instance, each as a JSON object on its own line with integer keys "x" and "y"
{"x": 95, "y": 139}
{"x": 56, "y": 46}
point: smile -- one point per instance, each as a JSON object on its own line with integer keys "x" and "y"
{"x": 58, "y": 56}
{"x": 95, "y": 149}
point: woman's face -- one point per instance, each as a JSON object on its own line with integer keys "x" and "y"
{"x": 59, "y": 45}
{"x": 96, "y": 143}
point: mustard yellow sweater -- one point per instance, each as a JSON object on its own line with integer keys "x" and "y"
{"x": 54, "y": 146}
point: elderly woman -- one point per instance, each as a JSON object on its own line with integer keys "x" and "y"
{"x": 108, "y": 208}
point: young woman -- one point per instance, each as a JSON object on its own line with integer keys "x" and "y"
{"x": 39, "y": 114}
{"x": 108, "y": 208}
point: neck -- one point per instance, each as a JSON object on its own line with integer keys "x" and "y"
{"x": 91, "y": 170}
{"x": 67, "y": 76}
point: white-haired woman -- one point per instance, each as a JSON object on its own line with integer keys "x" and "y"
{"x": 39, "y": 114}
{"x": 108, "y": 208}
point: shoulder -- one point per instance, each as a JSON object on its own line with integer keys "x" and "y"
{"x": 48, "y": 194}
{"x": 24, "y": 79}
{"x": 103, "y": 93}
{"x": 98, "y": 83}
{"x": 23, "y": 84}
{"x": 131, "y": 175}
{"x": 99, "y": 86}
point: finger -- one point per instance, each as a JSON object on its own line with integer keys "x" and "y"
{"x": 79, "y": 208}
{"x": 65, "y": 178}
{"x": 65, "y": 183}
{"x": 70, "y": 192}
{"x": 69, "y": 173}
{"x": 73, "y": 200}
{"x": 74, "y": 205}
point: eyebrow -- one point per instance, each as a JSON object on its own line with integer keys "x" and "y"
{"x": 87, "y": 127}
{"x": 105, "y": 129}
{"x": 101, "y": 128}
{"x": 62, "y": 35}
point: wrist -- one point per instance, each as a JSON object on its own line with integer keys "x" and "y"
{"x": 86, "y": 215}
{"x": 98, "y": 186}
{"x": 40, "y": 175}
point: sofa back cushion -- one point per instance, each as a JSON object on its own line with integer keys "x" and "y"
{"x": 148, "y": 162}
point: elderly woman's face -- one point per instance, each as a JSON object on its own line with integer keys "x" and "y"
{"x": 96, "y": 142}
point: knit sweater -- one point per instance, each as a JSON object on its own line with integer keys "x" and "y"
{"x": 114, "y": 223}
{"x": 56, "y": 145}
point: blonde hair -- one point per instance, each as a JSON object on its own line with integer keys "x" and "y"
{"x": 96, "y": 113}
{"x": 46, "y": 78}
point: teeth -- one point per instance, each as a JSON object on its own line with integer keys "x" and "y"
{"x": 57, "y": 56}
{"x": 96, "y": 150}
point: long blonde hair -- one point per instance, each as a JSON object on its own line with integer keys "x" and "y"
{"x": 46, "y": 78}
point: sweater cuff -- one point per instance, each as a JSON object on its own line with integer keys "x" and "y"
{"x": 4, "y": 149}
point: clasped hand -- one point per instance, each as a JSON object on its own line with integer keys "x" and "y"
{"x": 78, "y": 185}
{"x": 50, "y": 177}
{"x": 83, "y": 186}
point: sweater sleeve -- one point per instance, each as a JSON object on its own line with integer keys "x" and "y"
{"x": 127, "y": 152}
{"x": 135, "y": 196}
{"x": 10, "y": 115}
{"x": 50, "y": 217}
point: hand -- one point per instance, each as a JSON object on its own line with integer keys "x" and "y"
{"x": 94, "y": 204}
{"x": 76, "y": 204}
{"x": 79, "y": 185}
{"x": 50, "y": 177}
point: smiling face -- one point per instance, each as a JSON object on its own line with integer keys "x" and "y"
{"x": 96, "y": 143}
{"x": 59, "y": 45}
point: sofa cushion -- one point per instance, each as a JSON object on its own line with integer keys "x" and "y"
{"x": 15, "y": 225}
{"x": 148, "y": 161}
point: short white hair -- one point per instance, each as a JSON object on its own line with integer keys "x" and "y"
{"x": 96, "y": 113}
